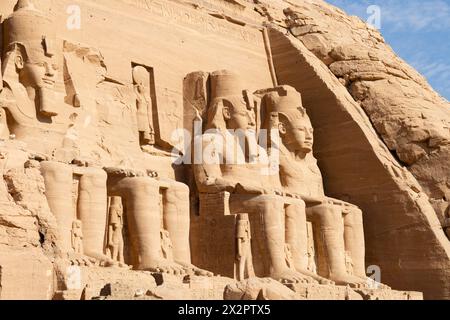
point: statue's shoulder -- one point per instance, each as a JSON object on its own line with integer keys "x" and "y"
{"x": 312, "y": 164}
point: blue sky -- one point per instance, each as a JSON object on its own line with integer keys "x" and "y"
{"x": 418, "y": 31}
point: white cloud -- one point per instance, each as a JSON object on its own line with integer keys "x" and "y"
{"x": 401, "y": 15}
{"x": 436, "y": 71}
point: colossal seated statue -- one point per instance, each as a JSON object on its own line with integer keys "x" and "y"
{"x": 79, "y": 124}
{"x": 234, "y": 163}
{"x": 141, "y": 195}
{"x": 30, "y": 69}
{"x": 337, "y": 225}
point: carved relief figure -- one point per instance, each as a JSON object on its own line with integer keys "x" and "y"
{"x": 141, "y": 80}
{"x": 337, "y": 225}
{"x": 115, "y": 234}
{"x": 166, "y": 245}
{"x": 289, "y": 258}
{"x": 77, "y": 237}
{"x": 348, "y": 262}
{"x": 244, "y": 260}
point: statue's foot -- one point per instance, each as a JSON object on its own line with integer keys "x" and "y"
{"x": 76, "y": 259}
{"x": 101, "y": 259}
{"x": 319, "y": 279}
{"x": 291, "y": 276}
{"x": 323, "y": 281}
{"x": 125, "y": 266}
{"x": 166, "y": 266}
{"x": 191, "y": 269}
{"x": 351, "y": 281}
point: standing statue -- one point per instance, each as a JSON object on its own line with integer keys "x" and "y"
{"x": 232, "y": 166}
{"x": 166, "y": 245}
{"x": 77, "y": 237}
{"x": 348, "y": 263}
{"x": 244, "y": 261}
{"x": 289, "y": 257}
{"x": 141, "y": 79}
{"x": 338, "y": 226}
{"x": 115, "y": 234}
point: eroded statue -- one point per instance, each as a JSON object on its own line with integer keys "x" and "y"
{"x": 232, "y": 166}
{"x": 338, "y": 226}
{"x": 115, "y": 234}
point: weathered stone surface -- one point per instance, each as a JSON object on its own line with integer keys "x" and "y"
{"x": 94, "y": 123}
{"x": 412, "y": 119}
{"x": 259, "y": 289}
{"x": 25, "y": 274}
{"x": 344, "y": 162}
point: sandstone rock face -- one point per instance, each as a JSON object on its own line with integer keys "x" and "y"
{"x": 323, "y": 157}
{"x": 411, "y": 118}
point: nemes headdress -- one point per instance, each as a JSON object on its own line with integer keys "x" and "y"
{"x": 284, "y": 100}
{"x": 226, "y": 88}
{"x": 31, "y": 28}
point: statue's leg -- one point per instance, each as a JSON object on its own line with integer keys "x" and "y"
{"x": 242, "y": 269}
{"x": 141, "y": 196}
{"x": 354, "y": 240}
{"x": 177, "y": 220}
{"x": 272, "y": 209}
{"x": 58, "y": 179}
{"x": 329, "y": 236}
{"x": 92, "y": 211}
{"x": 296, "y": 233}
{"x": 176, "y": 215}
{"x": 297, "y": 238}
{"x": 249, "y": 264}
{"x": 142, "y": 201}
{"x": 120, "y": 253}
{"x": 115, "y": 253}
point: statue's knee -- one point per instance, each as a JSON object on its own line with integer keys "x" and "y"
{"x": 299, "y": 204}
{"x": 143, "y": 185}
{"x": 326, "y": 213}
{"x": 272, "y": 203}
{"x": 179, "y": 189}
{"x": 296, "y": 209}
{"x": 95, "y": 173}
{"x": 55, "y": 168}
{"x": 354, "y": 217}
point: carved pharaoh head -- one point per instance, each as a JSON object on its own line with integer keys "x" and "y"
{"x": 229, "y": 110}
{"x": 294, "y": 125}
{"x": 77, "y": 224}
{"x": 29, "y": 42}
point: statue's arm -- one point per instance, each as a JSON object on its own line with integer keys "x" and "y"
{"x": 208, "y": 174}
{"x": 209, "y": 179}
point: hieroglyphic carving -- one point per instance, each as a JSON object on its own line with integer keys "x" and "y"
{"x": 169, "y": 116}
{"x": 198, "y": 20}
